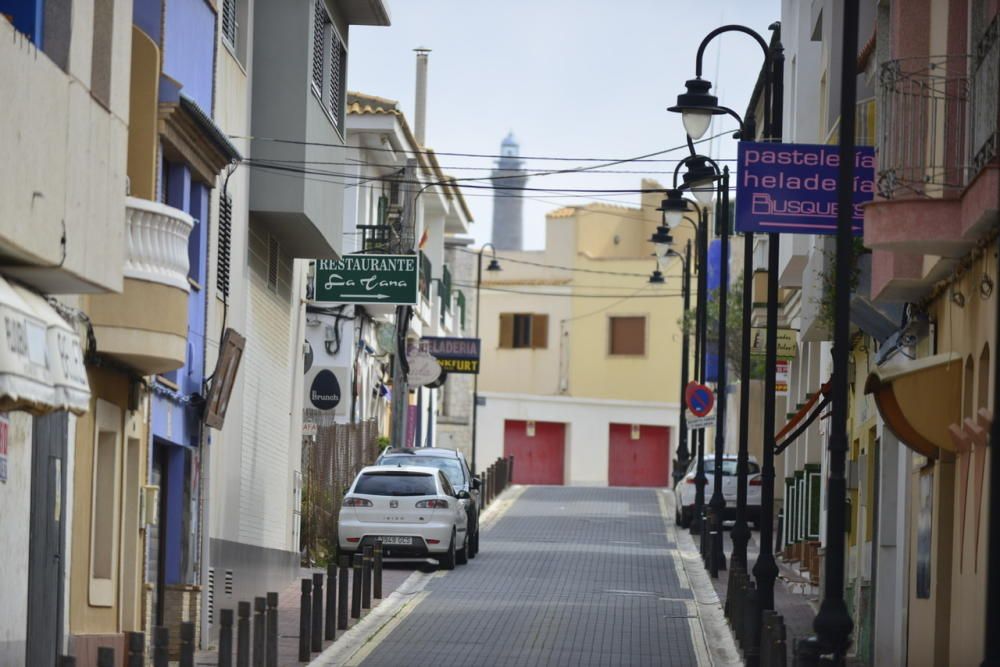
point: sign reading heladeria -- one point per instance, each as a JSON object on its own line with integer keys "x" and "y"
{"x": 456, "y": 355}
{"x": 792, "y": 188}
{"x": 387, "y": 279}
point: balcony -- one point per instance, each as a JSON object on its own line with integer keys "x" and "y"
{"x": 145, "y": 327}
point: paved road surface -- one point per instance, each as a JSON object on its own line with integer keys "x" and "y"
{"x": 567, "y": 576}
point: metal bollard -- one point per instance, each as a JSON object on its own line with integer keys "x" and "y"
{"x": 768, "y": 635}
{"x": 67, "y": 661}
{"x": 356, "y": 586}
{"x": 259, "y": 608}
{"x": 330, "y": 619}
{"x": 342, "y": 608}
{"x": 161, "y": 642}
{"x": 511, "y": 480}
{"x": 751, "y": 626}
{"x": 305, "y": 622}
{"x": 226, "y": 638}
{"x": 316, "y": 633}
{"x": 779, "y": 649}
{"x": 187, "y": 644}
{"x": 377, "y": 581}
{"x": 366, "y": 578}
{"x": 243, "y": 634}
{"x": 135, "y": 649}
{"x": 105, "y": 656}
{"x": 272, "y": 630}
{"x": 807, "y": 652}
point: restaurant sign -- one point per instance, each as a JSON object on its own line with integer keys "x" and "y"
{"x": 787, "y": 342}
{"x": 456, "y": 355}
{"x": 386, "y": 279}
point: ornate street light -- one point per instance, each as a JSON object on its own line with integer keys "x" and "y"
{"x": 494, "y": 265}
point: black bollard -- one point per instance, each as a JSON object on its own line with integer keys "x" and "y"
{"x": 510, "y": 479}
{"x": 751, "y": 626}
{"x": 226, "y": 638}
{"x": 105, "y": 656}
{"x": 366, "y": 578}
{"x": 316, "y": 633}
{"x": 807, "y": 652}
{"x": 243, "y": 634}
{"x": 305, "y": 621}
{"x": 356, "y": 586}
{"x": 330, "y": 619}
{"x": 342, "y": 609}
{"x": 377, "y": 564}
{"x": 67, "y": 661}
{"x": 161, "y": 643}
{"x": 272, "y": 630}
{"x": 135, "y": 649}
{"x": 187, "y": 644}
{"x": 259, "y": 608}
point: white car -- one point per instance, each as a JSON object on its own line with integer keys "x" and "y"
{"x": 686, "y": 487}
{"x": 413, "y": 509}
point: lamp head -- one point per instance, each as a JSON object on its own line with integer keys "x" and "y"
{"x": 656, "y": 278}
{"x": 662, "y": 241}
{"x": 697, "y": 106}
{"x": 700, "y": 179}
{"x": 673, "y": 207}
{"x": 494, "y": 265}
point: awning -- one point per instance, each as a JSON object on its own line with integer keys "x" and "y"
{"x": 41, "y": 362}
{"x": 919, "y": 399}
{"x": 801, "y": 420}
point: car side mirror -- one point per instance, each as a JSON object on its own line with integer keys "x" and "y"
{"x": 477, "y": 483}
{"x": 463, "y": 495}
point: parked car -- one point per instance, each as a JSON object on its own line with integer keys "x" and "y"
{"x": 415, "y": 511}
{"x": 685, "y": 489}
{"x": 452, "y": 463}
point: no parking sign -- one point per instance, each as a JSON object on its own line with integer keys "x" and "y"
{"x": 699, "y": 400}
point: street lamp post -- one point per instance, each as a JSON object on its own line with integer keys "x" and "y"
{"x": 493, "y": 266}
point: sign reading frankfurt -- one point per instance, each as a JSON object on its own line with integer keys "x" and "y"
{"x": 456, "y": 355}
{"x": 388, "y": 279}
{"x": 792, "y": 188}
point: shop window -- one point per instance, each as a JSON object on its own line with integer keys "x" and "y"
{"x": 627, "y": 336}
{"x": 104, "y": 504}
{"x": 524, "y": 331}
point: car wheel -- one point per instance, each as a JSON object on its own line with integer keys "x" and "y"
{"x": 447, "y": 560}
{"x": 462, "y": 555}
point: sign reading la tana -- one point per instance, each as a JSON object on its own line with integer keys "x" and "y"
{"x": 388, "y": 279}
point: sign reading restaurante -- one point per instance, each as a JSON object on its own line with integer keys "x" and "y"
{"x": 456, "y": 355}
{"x": 792, "y": 188}
{"x": 387, "y": 279}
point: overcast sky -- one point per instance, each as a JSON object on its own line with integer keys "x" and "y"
{"x": 570, "y": 78}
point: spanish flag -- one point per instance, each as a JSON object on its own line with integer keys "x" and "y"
{"x": 423, "y": 240}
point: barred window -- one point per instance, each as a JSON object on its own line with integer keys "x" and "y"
{"x": 338, "y": 75}
{"x": 320, "y": 22}
{"x": 229, "y": 22}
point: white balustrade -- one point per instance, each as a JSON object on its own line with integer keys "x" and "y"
{"x": 157, "y": 243}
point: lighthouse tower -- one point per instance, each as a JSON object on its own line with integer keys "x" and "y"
{"x": 507, "y": 202}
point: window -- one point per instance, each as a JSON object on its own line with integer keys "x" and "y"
{"x": 273, "y": 257}
{"x": 321, "y": 21}
{"x": 627, "y": 336}
{"x": 329, "y": 65}
{"x": 524, "y": 330}
{"x": 396, "y": 484}
{"x": 229, "y": 23}
{"x": 104, "y": 504}
{"x": 338, "y": 78}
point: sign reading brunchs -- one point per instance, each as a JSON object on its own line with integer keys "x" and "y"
{"x": 388, "y": 279}
{"x": 792, "y": 188}
{"x": 456, "y": 355}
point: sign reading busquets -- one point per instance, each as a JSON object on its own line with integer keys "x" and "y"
{"x": 792, "y": 188}
{"x": 456, "y": 355}
{"x": 388, "y": 279}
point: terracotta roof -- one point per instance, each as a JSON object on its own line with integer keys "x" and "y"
{"x": 867, "y": 51}
{"x": 564, "y": 212}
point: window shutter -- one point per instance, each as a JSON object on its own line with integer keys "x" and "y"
{"x": 506, "y": 331}
{"x": 627, "y": 336}
{"x": 319, "y": 31}
{"x": 338, "y": 68}
{"x": 273, "y": 257}
{"x": 539, "y": 331}
{"x": 225, "y": 245}
{"x": 229, "y": 22}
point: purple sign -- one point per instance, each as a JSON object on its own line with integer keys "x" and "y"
{"x": 792, "y": 188}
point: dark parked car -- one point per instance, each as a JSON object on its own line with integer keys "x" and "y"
{"x": 452, "y": 463}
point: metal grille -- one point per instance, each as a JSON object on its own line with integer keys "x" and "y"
{"x": 330, "y": 461}
{"x": 225, "y": 245}
{"x": 320, "y": 20}
{"x": 460, "y": 303}
{"x": 211, "y": 595}
{"x": 229, "y": 583}
{"x": 985, "y": 97}
{"x": 922, "y": 125}
{"x": 273, "y": 257}
{"x": 446, "y": 288}
{"x": 425, "y": 275}
{"x": 338, "y": 69}
{"x": 229, "y": 26}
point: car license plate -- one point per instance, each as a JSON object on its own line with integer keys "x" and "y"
{"x": 395, "y": 539}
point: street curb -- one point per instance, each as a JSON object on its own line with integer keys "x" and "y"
{"x": 357, "y": 641}
{"x": 716, "y": 637}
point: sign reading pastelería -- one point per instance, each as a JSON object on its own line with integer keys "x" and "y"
{"x": 792, "y": 188}
{"x": 387, "y": 279}
{"x": 456, "y": 355}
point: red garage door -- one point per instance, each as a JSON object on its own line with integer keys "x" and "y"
{"x": 538, "y": 449}
{"x": 638, "y": 455}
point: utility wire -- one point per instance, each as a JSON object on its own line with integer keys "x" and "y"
{"x": 574, "y": 295}
{"x": 555, "y": 266}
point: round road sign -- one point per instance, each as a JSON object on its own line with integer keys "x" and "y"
{"x": 699, "y": 398}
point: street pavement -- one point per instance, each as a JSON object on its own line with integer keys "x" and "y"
{"x": 566, "y": 576}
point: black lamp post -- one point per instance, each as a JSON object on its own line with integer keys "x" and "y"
{"x": 494, "y": 265}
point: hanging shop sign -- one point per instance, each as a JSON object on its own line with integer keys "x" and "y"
{"x": 792, "y": 188}
{"x": 782, "y": 372}
{"x": 455, "y": 355}
{"x": 424, "y": 369}
{"x": 323, "y": 387}
{"x": 787, "y": 342}
{"x": 386, "y": 279}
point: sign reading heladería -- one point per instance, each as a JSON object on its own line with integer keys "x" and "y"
{"x": 387, "y": 279}
{"x": 455, "y": 355}
{"x": 792, "y": 188}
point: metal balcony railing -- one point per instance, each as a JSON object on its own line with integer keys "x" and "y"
{"x": 922, "y": 142}
{"x": 985, "y": 97}
{"x": 425, "y": 276}
{"x": 460, "y": 304}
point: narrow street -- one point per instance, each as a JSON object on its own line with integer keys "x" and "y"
{"x": 566, "y": 576}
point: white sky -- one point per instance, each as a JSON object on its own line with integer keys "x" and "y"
{"x": 571, "y": 78}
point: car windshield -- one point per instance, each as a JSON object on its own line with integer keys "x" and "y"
{"x": 451, "y": 467}
{"x": 396, "y": 484}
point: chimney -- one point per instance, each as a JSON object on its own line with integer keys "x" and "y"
{"x": 420, "y": 110}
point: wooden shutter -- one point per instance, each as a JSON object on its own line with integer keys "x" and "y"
{"x": 539, "y": 331}
{"x": 506, "y": 331}
{"x": 628, "y": 336}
